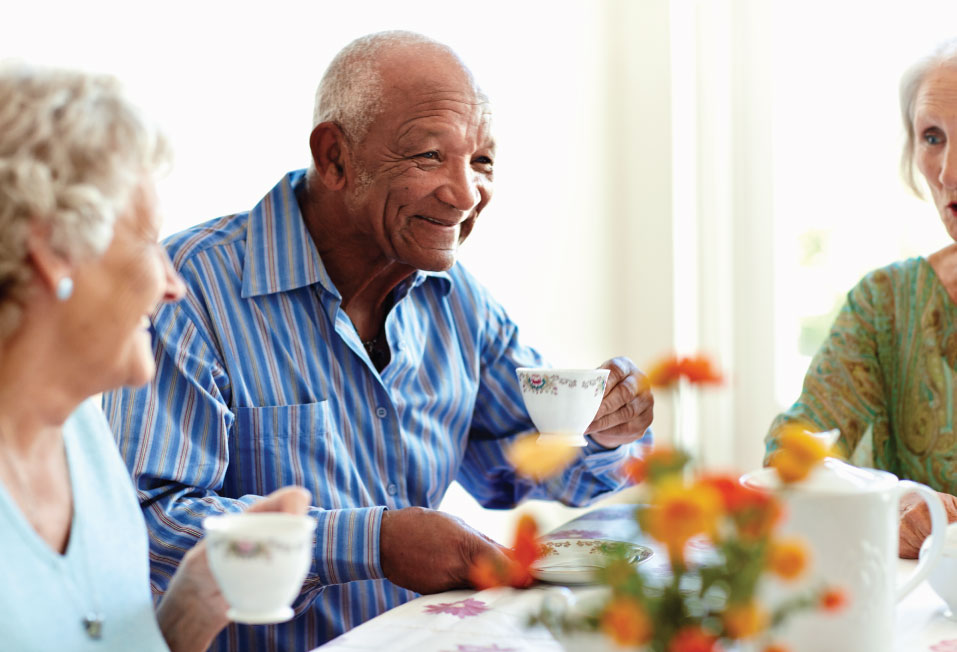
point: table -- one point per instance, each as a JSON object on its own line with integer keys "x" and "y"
{"x": 495, "y": 620}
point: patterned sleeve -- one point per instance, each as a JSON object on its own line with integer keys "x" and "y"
{"x": 844, "y": 386}
{"x": 174, "y": 436}
{"x": 500, "y": 415}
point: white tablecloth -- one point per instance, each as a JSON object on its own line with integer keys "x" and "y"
{"x": 496, "y": 620}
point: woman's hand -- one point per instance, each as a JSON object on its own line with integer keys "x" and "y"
{"x": 193, "y": 611}
{"x": 915, "y": 521}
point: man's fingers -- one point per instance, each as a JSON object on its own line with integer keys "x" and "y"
{"x": 615, "y": 397}
{"x": 635, "y": 412}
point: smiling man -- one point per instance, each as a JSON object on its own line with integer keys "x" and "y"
{"x": 330, "y": 339}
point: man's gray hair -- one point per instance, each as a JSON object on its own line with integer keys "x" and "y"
{"x": 350, "y": 93}
{"x": 943, "y": 53}
{"x": 72, "y": 152}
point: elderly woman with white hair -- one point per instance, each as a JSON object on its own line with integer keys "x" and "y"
{"x": 887, "y": 373}
{"x": 80, "y": 273}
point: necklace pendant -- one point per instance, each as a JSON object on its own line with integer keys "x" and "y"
{"x": 93, "y": 624}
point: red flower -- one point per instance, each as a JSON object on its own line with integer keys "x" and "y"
{"x": 699, "y": 369}
{"x": 776, "y": 647}
{"x": 693, "y": 639}
{"x": 833, "y": 600}
{"x": 754, "y": 512}
{"x": 656, "y": 464}
{"x": 486, "y": 573}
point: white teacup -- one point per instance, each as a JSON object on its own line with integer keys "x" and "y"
{"x": 259, "y": 560}
{"x": 562, "y": 402}
{"x": 943, "y": 575}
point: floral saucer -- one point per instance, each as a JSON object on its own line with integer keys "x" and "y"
{"x": 574, "y": 561}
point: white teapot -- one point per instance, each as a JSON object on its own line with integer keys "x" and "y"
{"x": 849, "y": 518}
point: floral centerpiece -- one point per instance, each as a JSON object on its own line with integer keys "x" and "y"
{"x": 706, "y": 603}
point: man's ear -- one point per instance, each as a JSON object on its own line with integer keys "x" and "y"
{"x": 330, "y": 154}
{"x": 49, "y": 265}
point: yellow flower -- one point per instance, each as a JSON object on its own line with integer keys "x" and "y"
{"x": 798, "y": 452}
{"x": 540, "y": 460}
{"x": 626, "y": 622}
{"x": 787, "y": 558}
{"x": 679, "y": 511}
{"x": 745, "y": 620}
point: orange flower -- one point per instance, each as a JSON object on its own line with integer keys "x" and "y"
{"x": 486, "y": 573}
{"x": 525, "y": 550}
{"x": 776, "y": 647}
{"x": 745, "y": 620}
{"x": 626, "y": 622}
{"x": 660, "y": 461}
{"x": 540, "y": 460}
{"x": 664, "y": 372}
{"x": 787, "y": 558}
{"x": 833, "y": 600}
{"x": 798, "y": 452}
{"x": 679, "y": 512}
{"x": 693, "y": 639}
{"x": 699, "y": 369}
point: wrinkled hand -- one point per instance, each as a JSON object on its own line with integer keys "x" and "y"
{"x": 193, "y": 610}
{"x": 627, "y": 408}
{"x": 915, "y": 521}
{"x": 428, "y": 551}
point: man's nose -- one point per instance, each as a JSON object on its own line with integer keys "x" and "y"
{"x": 461, "y": 188}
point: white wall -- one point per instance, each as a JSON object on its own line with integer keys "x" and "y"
{"x": 658, "y": 159}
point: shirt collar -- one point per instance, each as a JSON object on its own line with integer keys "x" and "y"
{"x": 280, "y": 253}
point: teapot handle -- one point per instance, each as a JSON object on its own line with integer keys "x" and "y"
{"x": 938, "y": 522}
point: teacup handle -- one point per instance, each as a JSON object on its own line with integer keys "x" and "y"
{"x": 938, "y": 523}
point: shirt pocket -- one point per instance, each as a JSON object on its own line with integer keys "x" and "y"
{"x": 278, "y": 446}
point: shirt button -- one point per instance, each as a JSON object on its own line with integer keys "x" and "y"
{"x": 392, "y": 489}
{"x": 381, "y": 412}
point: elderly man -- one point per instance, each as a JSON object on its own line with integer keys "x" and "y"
{"x": 329, "y": 339}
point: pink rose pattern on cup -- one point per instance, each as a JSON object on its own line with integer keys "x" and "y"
{"x": 253, "y": 549}
{"x": 548, "y": 384}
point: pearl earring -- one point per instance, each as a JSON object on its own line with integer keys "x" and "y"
{"x": 64, "y": 288}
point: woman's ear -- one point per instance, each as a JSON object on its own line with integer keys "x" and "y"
{"x": 330, "y": 154}
{"x": 52, "y": 268}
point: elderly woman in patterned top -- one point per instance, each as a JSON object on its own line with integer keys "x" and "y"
{"x": 80, "y": 272}
{"x": 886, "y": 372}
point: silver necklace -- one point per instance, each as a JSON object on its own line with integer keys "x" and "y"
{"x": 93, "y": 620}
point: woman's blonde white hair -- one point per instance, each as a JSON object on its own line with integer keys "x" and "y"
{"x": 944, "y": 53}
{"x": 72, "y": 151}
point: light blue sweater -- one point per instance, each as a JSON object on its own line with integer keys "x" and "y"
{"x": 44, "y": 596}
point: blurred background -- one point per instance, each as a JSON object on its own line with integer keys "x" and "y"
{"x": 672, "y": 175}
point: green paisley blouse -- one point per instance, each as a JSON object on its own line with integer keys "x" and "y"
{"x": 886, "y": 373}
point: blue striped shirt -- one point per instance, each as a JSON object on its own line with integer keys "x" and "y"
{"x": 262, "y": 381}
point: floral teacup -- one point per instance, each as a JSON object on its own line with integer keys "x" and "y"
{"x": 259, "y": 561}
{"x": 562, "y": 402}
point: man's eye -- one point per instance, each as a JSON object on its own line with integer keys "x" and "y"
{"x": 432, "y": 155}
{"x": 483, "y": 160}
{"x": 933, "y": 137}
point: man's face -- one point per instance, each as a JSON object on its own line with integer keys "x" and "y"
{"x": 424, "y": 171}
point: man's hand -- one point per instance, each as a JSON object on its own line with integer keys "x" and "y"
{"x": 915, "y": 521}
{"x": 428, "y": 551}
{"x": 627, "y": 408}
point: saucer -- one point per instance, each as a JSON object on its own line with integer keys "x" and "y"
{"x": 574, "y": 561}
